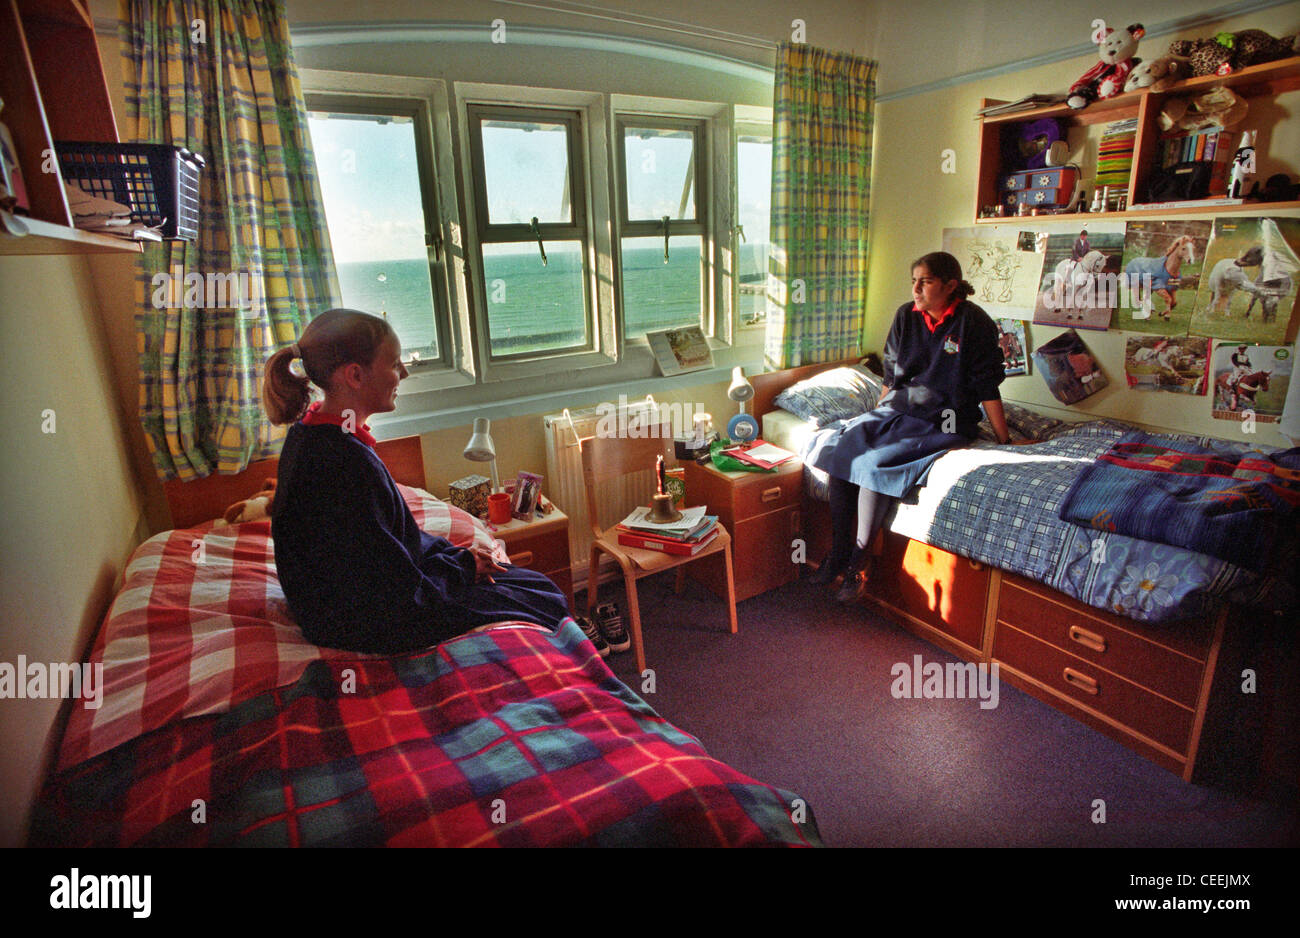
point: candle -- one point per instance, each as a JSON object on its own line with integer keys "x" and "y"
{"x": 659, "y": 473}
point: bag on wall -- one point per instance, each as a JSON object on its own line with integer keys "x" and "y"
{"x": 1181, "y": 182}
{"x": 1069, "y": 368}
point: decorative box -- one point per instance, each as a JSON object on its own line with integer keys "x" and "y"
{"x": 471, "y": 494}
{"x": 1013, "y": 181}
{"x": 1057, "y": 177}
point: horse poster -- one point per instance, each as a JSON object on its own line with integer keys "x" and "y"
{"x": 1250, "y": 381}
{"x": 1081, "y": 284}
{"x": 997, "y": 264}
{"x": 1162, "y": 270}
{"x": 1011, "y": 340}
{"x": 1167, "y": 363}
{"x": 1249, "y": 292}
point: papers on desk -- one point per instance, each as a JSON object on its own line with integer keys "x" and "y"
{"x": 761, "y": 454}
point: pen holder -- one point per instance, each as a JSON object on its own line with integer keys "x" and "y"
{"x": 499, "y": 508}
{"x": 662, "y": 510}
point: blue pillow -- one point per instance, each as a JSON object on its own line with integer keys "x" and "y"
{"x": 837, "y": 394}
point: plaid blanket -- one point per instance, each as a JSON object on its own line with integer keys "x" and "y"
{"x": 1230, "y": 505}
{"x": 506, "y": 737}
{"x": 201, "y": 624}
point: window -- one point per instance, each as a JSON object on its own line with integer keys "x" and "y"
{"x": 532, "y": 229}
{"x": 753, "y": 218}
{"x": 664, "y": 244}
{"x": 375, "y": 162}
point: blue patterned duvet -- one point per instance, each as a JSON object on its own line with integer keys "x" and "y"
{"x": 999, "y": 505}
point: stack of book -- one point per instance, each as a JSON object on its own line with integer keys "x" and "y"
{"x": 760, "y": 454}
{"x": 685, "y": 537}
{"x": 1213, "y": 144}
{"x": 1115, "y": 153}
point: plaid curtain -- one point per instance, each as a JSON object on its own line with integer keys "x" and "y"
{"x": 821, "y": 175}
{"x": 218, "y": 77}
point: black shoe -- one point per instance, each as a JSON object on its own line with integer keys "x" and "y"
{"x": 592, "y": 632}
{"x": 611, "y": 626}
{"x": 854, "y": 588}
{"x": 828, "y": 571}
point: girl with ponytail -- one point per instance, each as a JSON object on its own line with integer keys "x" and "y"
{"x": 942, "y": 363}
{"x": 357, "y": 570}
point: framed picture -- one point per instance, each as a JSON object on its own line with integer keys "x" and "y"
{"x": 680, "y": 350}
{"x": 524, "y": 503}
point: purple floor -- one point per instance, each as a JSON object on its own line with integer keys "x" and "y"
{"x": 800, "y": 698}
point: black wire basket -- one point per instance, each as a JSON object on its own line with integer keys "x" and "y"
{"x": 160, "y": 183}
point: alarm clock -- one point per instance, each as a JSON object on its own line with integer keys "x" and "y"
{"x": 742, "y": 428}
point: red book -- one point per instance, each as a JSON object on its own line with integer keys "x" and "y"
{"x": 680, "y": 548}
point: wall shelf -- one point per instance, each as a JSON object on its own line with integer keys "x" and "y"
{"x": 53, "y": 87}
{"x": 1270, "y": 79}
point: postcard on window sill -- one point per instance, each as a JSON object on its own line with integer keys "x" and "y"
{"x": 680, "y": 350}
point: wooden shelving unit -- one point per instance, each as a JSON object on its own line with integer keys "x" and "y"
{"x": 1269, "y": 79}
{"x": 52, "y": 83}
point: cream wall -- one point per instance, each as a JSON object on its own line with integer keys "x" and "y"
{"x": 912, "y": 201}
{"x": 72, "y": 514}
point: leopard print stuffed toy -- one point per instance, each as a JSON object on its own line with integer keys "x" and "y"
{"x": 1228, "y": 52}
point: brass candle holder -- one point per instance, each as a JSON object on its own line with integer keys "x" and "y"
{"x": 662, "y": 510}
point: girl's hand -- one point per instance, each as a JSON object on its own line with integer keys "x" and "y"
{"x": 485, "y": 563}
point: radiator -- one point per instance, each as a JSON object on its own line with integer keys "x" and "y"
{"x": 564, "y": 483}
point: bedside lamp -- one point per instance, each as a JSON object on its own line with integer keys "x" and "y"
{"x": 743, "y": 427}
{"x": 480, "y": 448}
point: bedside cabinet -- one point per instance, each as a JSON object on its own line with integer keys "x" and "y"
{"x": 762, "y": 511}
{"x": 542, "y": 545}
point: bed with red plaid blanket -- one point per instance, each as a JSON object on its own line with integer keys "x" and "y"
{"x": 220, "y": 725}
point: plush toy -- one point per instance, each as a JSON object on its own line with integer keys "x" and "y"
{"x": 1116, "y": 48}
{"x": 1228, "y": 52}
{"x": 251, "y": 509}
{"x": 1157, "y": 74}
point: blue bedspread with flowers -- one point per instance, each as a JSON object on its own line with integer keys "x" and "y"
{"x": 1000, "y": 505}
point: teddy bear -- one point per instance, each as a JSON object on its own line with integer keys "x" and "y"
{"x": 1157, "y": 74}
{"x": 256, "y": 508}
{"x": 1116, "y": 48}
{"x": 1228, "y": 52}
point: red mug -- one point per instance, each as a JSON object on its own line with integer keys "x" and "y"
{"x": 499, "y": 508}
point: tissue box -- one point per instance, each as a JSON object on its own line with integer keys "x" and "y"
{"x": 470, "y": 494}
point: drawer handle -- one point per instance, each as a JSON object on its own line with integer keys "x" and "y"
{"x": 975, "y": 565}
{"x": 1090, "y": 640}
{"x": 522, "y": 559}
{"x": 772, "y": 494}
{"x": 1081, "y": 681}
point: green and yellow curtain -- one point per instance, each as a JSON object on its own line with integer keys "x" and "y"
{"x": 218, "y": 77}
{"x": 821, "y": 187}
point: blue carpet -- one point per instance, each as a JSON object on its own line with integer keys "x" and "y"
{"x": 800, "y": 698}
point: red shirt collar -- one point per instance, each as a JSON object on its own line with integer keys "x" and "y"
{"x": 933, "y": 324}
{"x": 314, "y": 416}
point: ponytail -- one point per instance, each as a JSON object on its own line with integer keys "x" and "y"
{"x": 285, "y": 396}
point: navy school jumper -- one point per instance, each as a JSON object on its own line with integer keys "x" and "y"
{"x": 356, "y": 568}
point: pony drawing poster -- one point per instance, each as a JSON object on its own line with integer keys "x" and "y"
{"x": 1248, "y": 293}
{"x": 1250, "y": 381}
{"x": 995, "y": 262}
{"x": 1162, "y": 270}
{"x": 1167, "y": 363}
{"x": 1080, "y": 284}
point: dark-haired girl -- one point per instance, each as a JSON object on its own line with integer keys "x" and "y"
{"x": 941, "y": 362}
{"x": 356, "y": 568}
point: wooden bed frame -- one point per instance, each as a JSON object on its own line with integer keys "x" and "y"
{"x": 202, "y": 500}
{"x": 1163, "y": 690}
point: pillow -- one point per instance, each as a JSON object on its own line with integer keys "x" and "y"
{"x": 1023, "y": 424}
{"x": 836, "y": 394}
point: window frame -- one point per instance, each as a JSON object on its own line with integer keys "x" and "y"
{"x": 749, "y": 121}
{"x": 352, "y": 92}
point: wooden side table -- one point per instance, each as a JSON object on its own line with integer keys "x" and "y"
{"x": 763, "y": 512}
{"x": 542, "y": 545}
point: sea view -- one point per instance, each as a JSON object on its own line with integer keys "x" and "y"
{"x": 531, "y": 306}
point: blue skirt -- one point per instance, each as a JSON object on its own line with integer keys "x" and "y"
{"x": 885, "y": 450}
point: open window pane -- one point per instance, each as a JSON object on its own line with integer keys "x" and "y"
{"x": 658, "y": 295}
{"x": 659, "y": 168}
{"x": 534, "y": 307}
{"x": 526, "y": 167}
{"x": 370, "y": 181}
{"x": 754, "y": 203}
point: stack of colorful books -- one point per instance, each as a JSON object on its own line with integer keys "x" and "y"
{"x": 1115, "y": 153}
{"x": 685, "y": 537}
{"x": 1213, "y": 144}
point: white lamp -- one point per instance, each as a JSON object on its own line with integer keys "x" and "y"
{"x": 743, "y": 427}
{"x": 480, "y": 448}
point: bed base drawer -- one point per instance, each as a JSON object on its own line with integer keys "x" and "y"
{"x": 1169, "y": 660}
{"x": 1084, "y": 684}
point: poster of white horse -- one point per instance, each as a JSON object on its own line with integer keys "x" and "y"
{"x": 1081, "y": 278}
